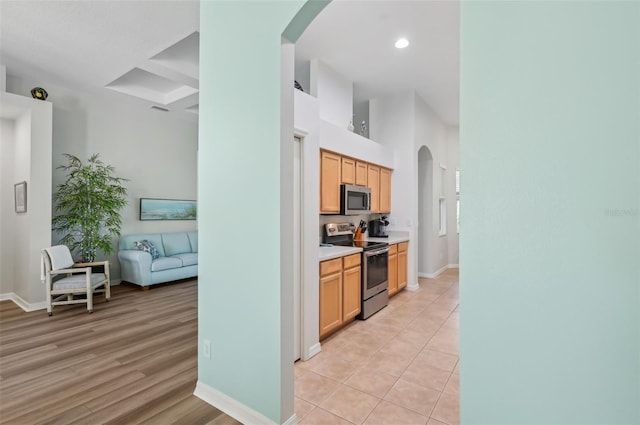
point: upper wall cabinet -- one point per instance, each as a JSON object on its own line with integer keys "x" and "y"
{"x": 373, "y": 181}
{"x": 336, "y": 169}
{"x": 330, "y": 178}
{"x": 361, "y": 173}
{"x": 348, "y": 170}
{"x": 385, "y": 190}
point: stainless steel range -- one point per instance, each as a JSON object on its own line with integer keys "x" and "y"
{"x": 375, "y": 266}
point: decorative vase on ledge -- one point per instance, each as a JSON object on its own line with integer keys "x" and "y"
{"x": 39, "y": 93}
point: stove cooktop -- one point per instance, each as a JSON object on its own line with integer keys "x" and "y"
{"x": 365, "y": 245}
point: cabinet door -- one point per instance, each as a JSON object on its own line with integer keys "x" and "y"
{"x": 373, "y": 181}
{"x": 348, "y": 170}
{"x": 350, "y": 293}
{"x": 330, "y": 167}
{"x": 393, "y": 270}
{"x": 330, "y": 303}
{"x": 361, "y": 173}
{"x": 402, "y": 268}
{"x": 385, "y": 190}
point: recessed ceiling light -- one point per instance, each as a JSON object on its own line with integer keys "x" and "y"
{"x": 402, "y": 43}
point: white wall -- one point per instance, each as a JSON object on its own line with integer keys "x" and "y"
{"x": 393, "y": 125}
{"x": 432, "y": 133}
{"x": 306, "y": 124}
{"x": 425, "y": 207}
{"x": 405, "y": 123}
{"x": 156, "y": 151}
{"x": 334, "y": 93}
{"x": 7, "y": 143}
{"x": 453, "y": 163}
{"x": 26, "y": 156}
{"x": 339, "y": 140}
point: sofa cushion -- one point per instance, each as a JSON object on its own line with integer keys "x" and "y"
{"x": 175, "y": 243}
{"x": 188, "y": 259}
{"x": 127, "y": 241}
{"x": 165, "y": 263}
{"x": 193, "y": 239}
{"x": 147, "y": 246}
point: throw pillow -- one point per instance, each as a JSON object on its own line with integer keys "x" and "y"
{"x": 147, "y": 246}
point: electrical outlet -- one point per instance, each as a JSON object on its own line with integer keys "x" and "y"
{"x": 206, "y": 348}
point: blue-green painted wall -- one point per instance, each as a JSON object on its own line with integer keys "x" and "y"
{"x": 239, "y": 202}
{"x": 550, "y": 236}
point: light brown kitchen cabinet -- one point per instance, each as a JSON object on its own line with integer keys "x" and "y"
{"x": 351, "y": 287}
{"x": 339, "y": 292}
{"x": 336, "y": 169}
{"x": 330, "y": 178}
{"x": 361, "y": 173}
{"x": 393, "y": 269}
{"x": 373, "y": 181}
{"x": 385, "y": 190}
{"x": 348, "y": 170}
{"x": 397, "y": 267}
{"x": 330, "y": 296}
{"x": 402, "y": 264}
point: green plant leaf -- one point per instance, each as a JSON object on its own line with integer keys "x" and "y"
{"x": 88, "y": 204}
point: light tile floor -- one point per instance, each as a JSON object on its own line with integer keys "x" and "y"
{"x": 398, "y": 367}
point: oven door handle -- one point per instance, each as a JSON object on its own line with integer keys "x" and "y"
{"x": 378, "y": 252}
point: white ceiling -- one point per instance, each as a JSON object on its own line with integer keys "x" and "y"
{"x": 146, "y": 48}
{"x": 356, "y": 38}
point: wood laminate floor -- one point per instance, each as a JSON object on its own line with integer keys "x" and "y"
{"x": 134, "y": 360}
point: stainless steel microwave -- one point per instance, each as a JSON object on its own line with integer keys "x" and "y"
{"x": 354, "y": 200}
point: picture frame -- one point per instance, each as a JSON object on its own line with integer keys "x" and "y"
{"x": 168, "y": 209}
{"x": 20, "y": 196}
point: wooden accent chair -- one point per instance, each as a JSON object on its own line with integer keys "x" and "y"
{"x": 66, "y": 280}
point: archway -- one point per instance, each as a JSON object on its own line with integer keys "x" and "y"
{"x": 425, "y": 210}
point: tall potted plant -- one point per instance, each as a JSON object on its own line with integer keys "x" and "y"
{"x": 89, "y": 204}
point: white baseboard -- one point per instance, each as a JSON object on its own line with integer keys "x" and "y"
{"x": 293, "y": 420}
{"x": 438, "y": 272}
{"x": 20, "y": 302}
{"x": 413, "y": 287}
{"x": 42, "y": 305}
{"x": 234, "y": 408}
{"x": 315, "y": 349}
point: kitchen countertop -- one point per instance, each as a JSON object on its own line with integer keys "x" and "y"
{"x": 331, "y": 252}
{"x": 394, "y": 238}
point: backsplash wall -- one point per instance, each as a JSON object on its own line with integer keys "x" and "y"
{"x": 355, "y": 219}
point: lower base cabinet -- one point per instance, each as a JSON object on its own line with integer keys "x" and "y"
{"x": 393, "y": 270}
{"x": 397, "y": 267}
{"x": 402, "y": 265}
{"x": 339, "y": 292}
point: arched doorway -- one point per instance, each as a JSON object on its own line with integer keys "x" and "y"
{"x": 425, "y": 209}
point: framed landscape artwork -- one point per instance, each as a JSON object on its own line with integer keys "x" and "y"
{"x": 168, "y": 209}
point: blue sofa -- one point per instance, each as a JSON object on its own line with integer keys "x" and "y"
{"x": 178, "y": 258}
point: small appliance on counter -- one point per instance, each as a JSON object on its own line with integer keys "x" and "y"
{"x": 374, "y": 263}
{"x": 378, "y": 228}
